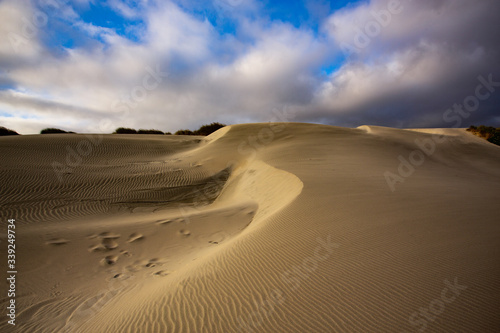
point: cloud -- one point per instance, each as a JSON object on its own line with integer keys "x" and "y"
{"x": 422, "y": 59}
{"x": 131, "y": 9}
{"x": 429, "y": 53}
{"x": 19, "y": 43}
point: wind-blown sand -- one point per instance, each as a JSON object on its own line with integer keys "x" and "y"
{"x": 256, "y": 228}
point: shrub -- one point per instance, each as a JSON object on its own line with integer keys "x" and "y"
{"x": 5, "y": 131}
{"x": 208, "y": 129}
{"x": 124, "y": 130}
{"x": 489, "y": 133}
{"x": 150, "y": 131}
{"x": 184, "y": 132}
{"x": 496, "y": 138}
{"x": 168, "y": 133}
{"x": 54, "y": 131}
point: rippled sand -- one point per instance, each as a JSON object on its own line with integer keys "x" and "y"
{"x": 256, "y": 228}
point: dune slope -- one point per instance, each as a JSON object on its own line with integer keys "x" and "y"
{"x": 256, "y": 228}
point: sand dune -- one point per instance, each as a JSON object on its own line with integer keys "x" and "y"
{"x": 256, "y": 228}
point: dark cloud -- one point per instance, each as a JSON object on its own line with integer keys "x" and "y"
{"x": 426, "y": 59}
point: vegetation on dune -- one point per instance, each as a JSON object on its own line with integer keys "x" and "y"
{"x": 202, "y": 131}
{"x": 5, "y": 131}
{"x": 125, "y": 130}
{"x": 150, "y": 131}
{"x": 208, "y": 129}
{"x": 184, "y": 132}
{"x": 54, "y": 131}
{"x": 489, "y": 133}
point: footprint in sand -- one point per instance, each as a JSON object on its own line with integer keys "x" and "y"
{"x": 120, "y": 276}
{"x": 135, "y": 237}
{"x": 109, "y": 260}
{"x": 168, "y": 221}
{"x": 161, "y": 273}
{"x": 97, "y": 248}
{"x": 132, "y": 268}
{"x": 153, "y": 262}
{"x": 125, "y": 253}
{"x": 109, "y": 243}
{"x": 108, "y": 235}
{"x": 57, "y": 241}
{"x": 185, "y": 233}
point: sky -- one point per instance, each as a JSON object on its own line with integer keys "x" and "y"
{"x": 92, "y": 66}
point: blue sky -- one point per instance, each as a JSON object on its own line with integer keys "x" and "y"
{"x": 91, "y": 66}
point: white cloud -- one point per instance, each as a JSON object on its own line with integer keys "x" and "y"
{"x": 20, "y": 30}
{"x": 431, "y": 50}
{"x": 131, "y": 9}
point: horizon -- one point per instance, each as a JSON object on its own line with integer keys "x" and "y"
{"x": 83, "y": 65}
{"x": 224, "y": 125}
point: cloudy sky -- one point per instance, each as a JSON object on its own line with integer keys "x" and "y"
{"x": 91, "y": 66}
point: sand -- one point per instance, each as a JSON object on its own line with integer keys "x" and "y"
{"x": 256, "y": 228}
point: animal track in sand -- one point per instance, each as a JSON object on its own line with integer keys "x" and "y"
{"x": 57, "y": 241}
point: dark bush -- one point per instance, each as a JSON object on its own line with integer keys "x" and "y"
{"x": 184, "y": 132}
{"x": 491, "y": 134}
{"x": 54, "y": 131}
{"x": 208, "y": 129}
{"x": 496, "y": 138}
{"x": 168, "y": 133}
{"x": 124, "y": 130}
{"x": 150, "y": 131}
{"x": 5, "y": 131}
